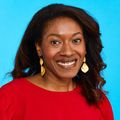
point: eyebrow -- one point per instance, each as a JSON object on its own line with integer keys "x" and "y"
{"x": 54, "y": 34}
{"x": 77, "y": 33}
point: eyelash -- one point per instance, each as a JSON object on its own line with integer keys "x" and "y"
{"x": 55, "y": 42}
{"x": 76, "y": 41}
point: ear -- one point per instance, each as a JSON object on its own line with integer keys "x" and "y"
{"x": 38, "y": 49}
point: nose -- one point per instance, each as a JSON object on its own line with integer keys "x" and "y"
{"x": 67, "y": 50}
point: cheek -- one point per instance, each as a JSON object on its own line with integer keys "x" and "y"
{"x": 81, "y": 50}
{"x": 49, "y": 53}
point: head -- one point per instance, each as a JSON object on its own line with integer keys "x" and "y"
{"x": 62, "y": 48}
{"x": 63, "y": 35}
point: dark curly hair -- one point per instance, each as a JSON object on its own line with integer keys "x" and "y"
{"x": 27, "y": 60}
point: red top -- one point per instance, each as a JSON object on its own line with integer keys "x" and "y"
{"x": 22, "y": 100}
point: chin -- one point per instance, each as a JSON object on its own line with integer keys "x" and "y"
{"x": 67, "y": 75}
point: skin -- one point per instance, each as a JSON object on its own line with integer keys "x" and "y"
{"x": 63, "y": 50}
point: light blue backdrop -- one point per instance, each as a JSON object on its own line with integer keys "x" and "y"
{"x": 15, "y": 15}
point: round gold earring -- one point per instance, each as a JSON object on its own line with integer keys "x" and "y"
{"x": 84, "y": 67}
{"x": 42, "y": 67}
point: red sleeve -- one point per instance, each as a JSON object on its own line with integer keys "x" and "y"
{"x": 9, "y": 104}
{"x": 106, "y": 108}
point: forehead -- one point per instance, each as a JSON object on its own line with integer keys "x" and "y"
{"x": 62, "y": 25}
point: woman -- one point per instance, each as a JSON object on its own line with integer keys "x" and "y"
{"x": 57, "y": 69}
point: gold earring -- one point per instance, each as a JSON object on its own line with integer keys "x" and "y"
{"x": 42, "y": 67}
{"x": 84, "y": 67}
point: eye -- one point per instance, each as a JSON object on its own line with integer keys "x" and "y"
{"x": 55, "y": 42}
{"x": 76, "y": 41}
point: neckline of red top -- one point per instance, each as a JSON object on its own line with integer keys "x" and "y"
{"x": 30, "y": 84}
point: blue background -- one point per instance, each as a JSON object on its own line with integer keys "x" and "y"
{"x": 16, "y": 14}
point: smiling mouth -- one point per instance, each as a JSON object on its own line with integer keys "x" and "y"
{"x": 67, "y": 64}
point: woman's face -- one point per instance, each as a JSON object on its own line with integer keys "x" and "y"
{"x": 63, "y": 48}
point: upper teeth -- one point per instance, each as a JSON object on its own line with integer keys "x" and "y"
{"x": 66, "y": 63}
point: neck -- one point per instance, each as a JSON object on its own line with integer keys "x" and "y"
{"x": 55, "y": 84}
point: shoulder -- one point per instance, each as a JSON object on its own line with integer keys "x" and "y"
{"x": 13, "y": 89}
{"x": 10, "y": 100}
{"x": 105, "y": 107}
{"x": 13, "y": 82}
{"x": 12, "y": 85}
